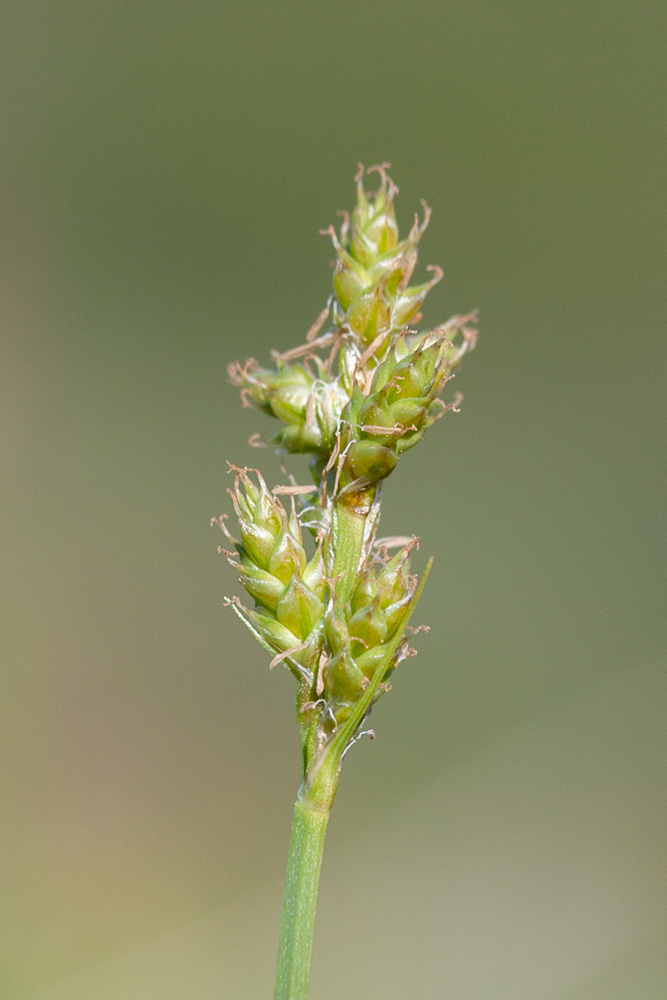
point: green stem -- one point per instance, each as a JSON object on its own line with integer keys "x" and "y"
{"x": 311, "y": 812}
{"x": 298, "y": 916}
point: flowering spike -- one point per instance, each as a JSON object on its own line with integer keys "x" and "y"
{"x": 354, "y": 396}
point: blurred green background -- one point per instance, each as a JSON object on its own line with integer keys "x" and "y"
{"x": 165, "y": 170}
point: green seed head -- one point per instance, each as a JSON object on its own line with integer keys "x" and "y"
{"x": 362, "y": 636}
{"x": 288, "y": 589}
{"x": 373, "y": 266}
{"x": 402, "y": 402}
{"x": 334, "y": 606}
{"x": 269, "y": 538}
{"x": 308, "y": 405}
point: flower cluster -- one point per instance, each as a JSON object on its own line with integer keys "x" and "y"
{"x": 360, "y": 391}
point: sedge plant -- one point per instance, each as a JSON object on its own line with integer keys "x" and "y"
{"x": 330, "y": 601}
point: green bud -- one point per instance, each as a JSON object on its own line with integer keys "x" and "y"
{"x": 370, "y": 659}
{"x": 393, "y": 269}
{"x": 299, "y": 609}
{"x": 314, "y": 575}
{"x": 345, "y": 682}
{"x": 369, "y": 314}
{"x": 298, "y": 439}
{"x": 256, "y": 542}
{"x": 366, "y": 591}
{"x": 368, "y": 626}
{"x": 374, "y": 229}
{"x": 369, "y": 461}
{"x": 310, "y": 406}
{"x": 337, "y": 632}
{"x": 284, "y": 391}
{"x": 350, "y": 278}
{"x": 277, "y": 635}
{"x": 396, "y": 587}
{"x": 264, "y": 588}
{"x": 287, "y": 556}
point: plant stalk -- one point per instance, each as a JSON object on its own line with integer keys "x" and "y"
{"x": 364, "y": 392}
{"x": 316, "y": 795}
{"x": 298, "y": 916}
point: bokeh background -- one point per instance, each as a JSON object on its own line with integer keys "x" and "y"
{"x": 166, "y": 169}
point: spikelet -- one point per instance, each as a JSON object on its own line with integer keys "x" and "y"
{"x": 373, "y": 266}
{"x": 402, "y": 402}
{"x": 379, "y": 609}
{"x": 288, "y": 589}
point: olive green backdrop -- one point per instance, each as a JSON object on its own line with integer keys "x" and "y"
{"x": 166, "y": 168}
